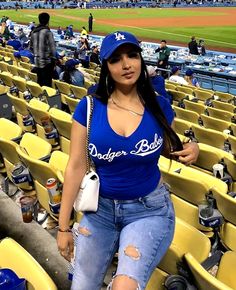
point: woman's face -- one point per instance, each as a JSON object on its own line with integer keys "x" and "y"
{"x": 124, "y": 65}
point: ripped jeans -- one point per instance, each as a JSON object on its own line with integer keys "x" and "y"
{"x": 141, "y": 230}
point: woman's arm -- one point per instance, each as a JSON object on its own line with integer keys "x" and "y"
{"x": 74, "y": 174}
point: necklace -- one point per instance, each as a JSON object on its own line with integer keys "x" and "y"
{"x": 125, "y": 109}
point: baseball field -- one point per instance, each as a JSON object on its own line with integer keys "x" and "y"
{"x": 217, "y": 26}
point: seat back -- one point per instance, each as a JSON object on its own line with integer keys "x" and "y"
{"x": 62, "y": 87}
{"x": 15, "y": 257}
{"x": 203, "y": 279}
{"x": 208, "y": 136}
{"x": 182, "y": 243}
{"x": 199, "y": 108}
{"x": 214, "y": 123}
{"x": 35, "y": 146}
{"x": 62, "y": 121}
{"x": 6, "y": 77}
{"x": 9, "y": 130}
{"x": 20, "y": 83}
{"x": 203, "y": 95}
{"x": 79, "y": 92}
{"x": 220, "y": 114}
{"x": 223, "y": 106}
{"x": 185, "y": 89}
{"x": 187, "y": 115}
{"x": 34, "y": 88}
{"x": 72, "y": 103}
{"x": 38, "y": 109}
{"x": 232, "y": 141}
{"x": 180, "y": 125}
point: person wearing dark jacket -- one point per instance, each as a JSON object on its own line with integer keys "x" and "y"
{"x": 193, "y": 46}
{"x": 90, "y": 22}
{"x": 44, "y": 49}
{"x": 94, "y": 57}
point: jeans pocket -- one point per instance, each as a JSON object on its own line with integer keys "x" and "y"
{"x": 157, "y": 199}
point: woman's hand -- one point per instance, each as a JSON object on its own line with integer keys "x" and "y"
{"x": 65, "y": 244}
{"x": 189, "y": 154}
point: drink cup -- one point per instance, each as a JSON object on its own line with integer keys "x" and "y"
{"x": 55, "y": 208}
{"x": 218, "y": 170}
{"x": 27, "y": 208}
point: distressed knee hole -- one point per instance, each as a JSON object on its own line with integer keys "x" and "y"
{"x": 118, "y": 278}
{"x": 132, "y": 252}
{"x": 84, "y": 231}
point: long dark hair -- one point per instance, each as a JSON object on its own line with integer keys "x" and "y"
{"x": 67, "y": 74}
{"x": 148, "y": 96}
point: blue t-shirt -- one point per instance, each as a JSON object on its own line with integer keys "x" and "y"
{"x": 127, "y": 166}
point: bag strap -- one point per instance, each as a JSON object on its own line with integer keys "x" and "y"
{"x": 89, "y": 117}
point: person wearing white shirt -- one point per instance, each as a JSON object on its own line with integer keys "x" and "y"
{"x": 175, "y": 76}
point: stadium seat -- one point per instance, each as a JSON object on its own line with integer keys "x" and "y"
{"x": 180, "y": 125}
{"x": 30, "y": 143}
{"x": 220, "y": 114}
{"x": 72, "y": 103}
{"x": 233, "y": 128}
{"x": 88, "y": 83}
{"x": 224, "y": 106}
{"x": 209, "y": 136}
{"x": 214, "y": 123}
{"x": 232, "y": 141}
{"x": 26, "y": 65}
{"x": 224, "y": 97}
{"x": 9, "y": 131}
{"x": 183, "y": 243}
{"x": 20, "y": 83}
{"x": 206, "y": 82}
{"x": 177, "y": 96}
{"x": 63, "y": 123}
{"x": 169, "y": 86}
{"x": 187, "y": 115}
{"x": 157, "y": 280}
{"x": 6, "y": 77}
{"x": 41, "y": 171}
{"x": 203, "y": 95}
{"x": 16, "y": 258}
{"x": 3, "y": 66}
{"x": 63, "y": 88}
{"x": 232, "y": 87}
{"x": 185, "y": 89}
{"x": 224, "y": 279}
{"x": 39, "y": 110}
{"x": 24, "y": 73}
{"x": 5, "y": 104}
{"x": 199, "y": 108}
{"x": 220, "y": 85}
{"x": 13, "y": 69}
{"x": 79, "y": 92}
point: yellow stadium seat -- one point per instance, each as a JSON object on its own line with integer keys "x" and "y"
{"x": 232, "y": 141}
{"x": 203, "y": 95}
{"x": 79, "y": 92}
{"x": 224, "y": 97}
{"x": 187, "y": 115}
{"x": 220, "y": 114}
{"x": 63, "y": 123}
{"x": 199, "y": 108}
{"x": 224, "y": 279}
{"x": 185, "y": 89}
{"x": 72, "y": 103}
{"x": 20, "y": 83}
{"x": 180, "y": 126}
{"x": 214, "y": 123}
{"x": 223, "y": 106}
{"x": 6, "y": 77}
{"x": 13, "y": 69}
{"x": 16, "y": 258}
{"x": 169, "y": 86}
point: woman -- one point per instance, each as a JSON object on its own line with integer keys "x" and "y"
{"x": 135, "y": 215}
{"x": 71, "y": 75}
{"x": 82, "y": 51}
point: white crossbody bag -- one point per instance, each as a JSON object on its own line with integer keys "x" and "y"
{"x": 87, "y": 197}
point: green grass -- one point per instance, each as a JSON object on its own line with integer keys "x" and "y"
{"x": 222, "y": 36}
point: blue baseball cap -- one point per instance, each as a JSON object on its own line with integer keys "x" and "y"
{"x": 10, "y": 281}
{"x": 114, "y": 40}
{"x": 70, "y": 63}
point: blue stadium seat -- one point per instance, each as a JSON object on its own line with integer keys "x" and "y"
{"x": 206, "y": 83}
{"x": 220, "y": 85}
{"x": 232, "y": 87}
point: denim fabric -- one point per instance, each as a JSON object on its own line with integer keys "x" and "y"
{"x": 146, "y": 223}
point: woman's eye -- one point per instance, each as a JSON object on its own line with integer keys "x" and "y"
{"x": 113, "y": 60}
{"x": 133, "y": 54}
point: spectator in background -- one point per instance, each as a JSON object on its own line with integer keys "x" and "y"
{"x": 176, "y": 78}
{"x": 164, "y": 53}
{"x": 44, "y": 49}
{"x": 192, "y": 46}
{"x": 59, "y": 30}
{"x": 25, "y": 52}
{"x": 71, "y": 32}
{"x": 4, "y": 32}
{"x": 90, "y": 22}
{"x": 15, "y": 43}
{"x": 84, "y": 32}
{"x": 22, "y": 36}
{"x": 158, "y": 83}
{"x": 71, "y": 75}
{"x": 201, "y": 47}
{"x": 94, "y": 57}
{"x": 191, "y": 80}
{"x": 82, "y": 51}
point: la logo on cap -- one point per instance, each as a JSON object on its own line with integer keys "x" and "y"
{"x": 119, "y": 36}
